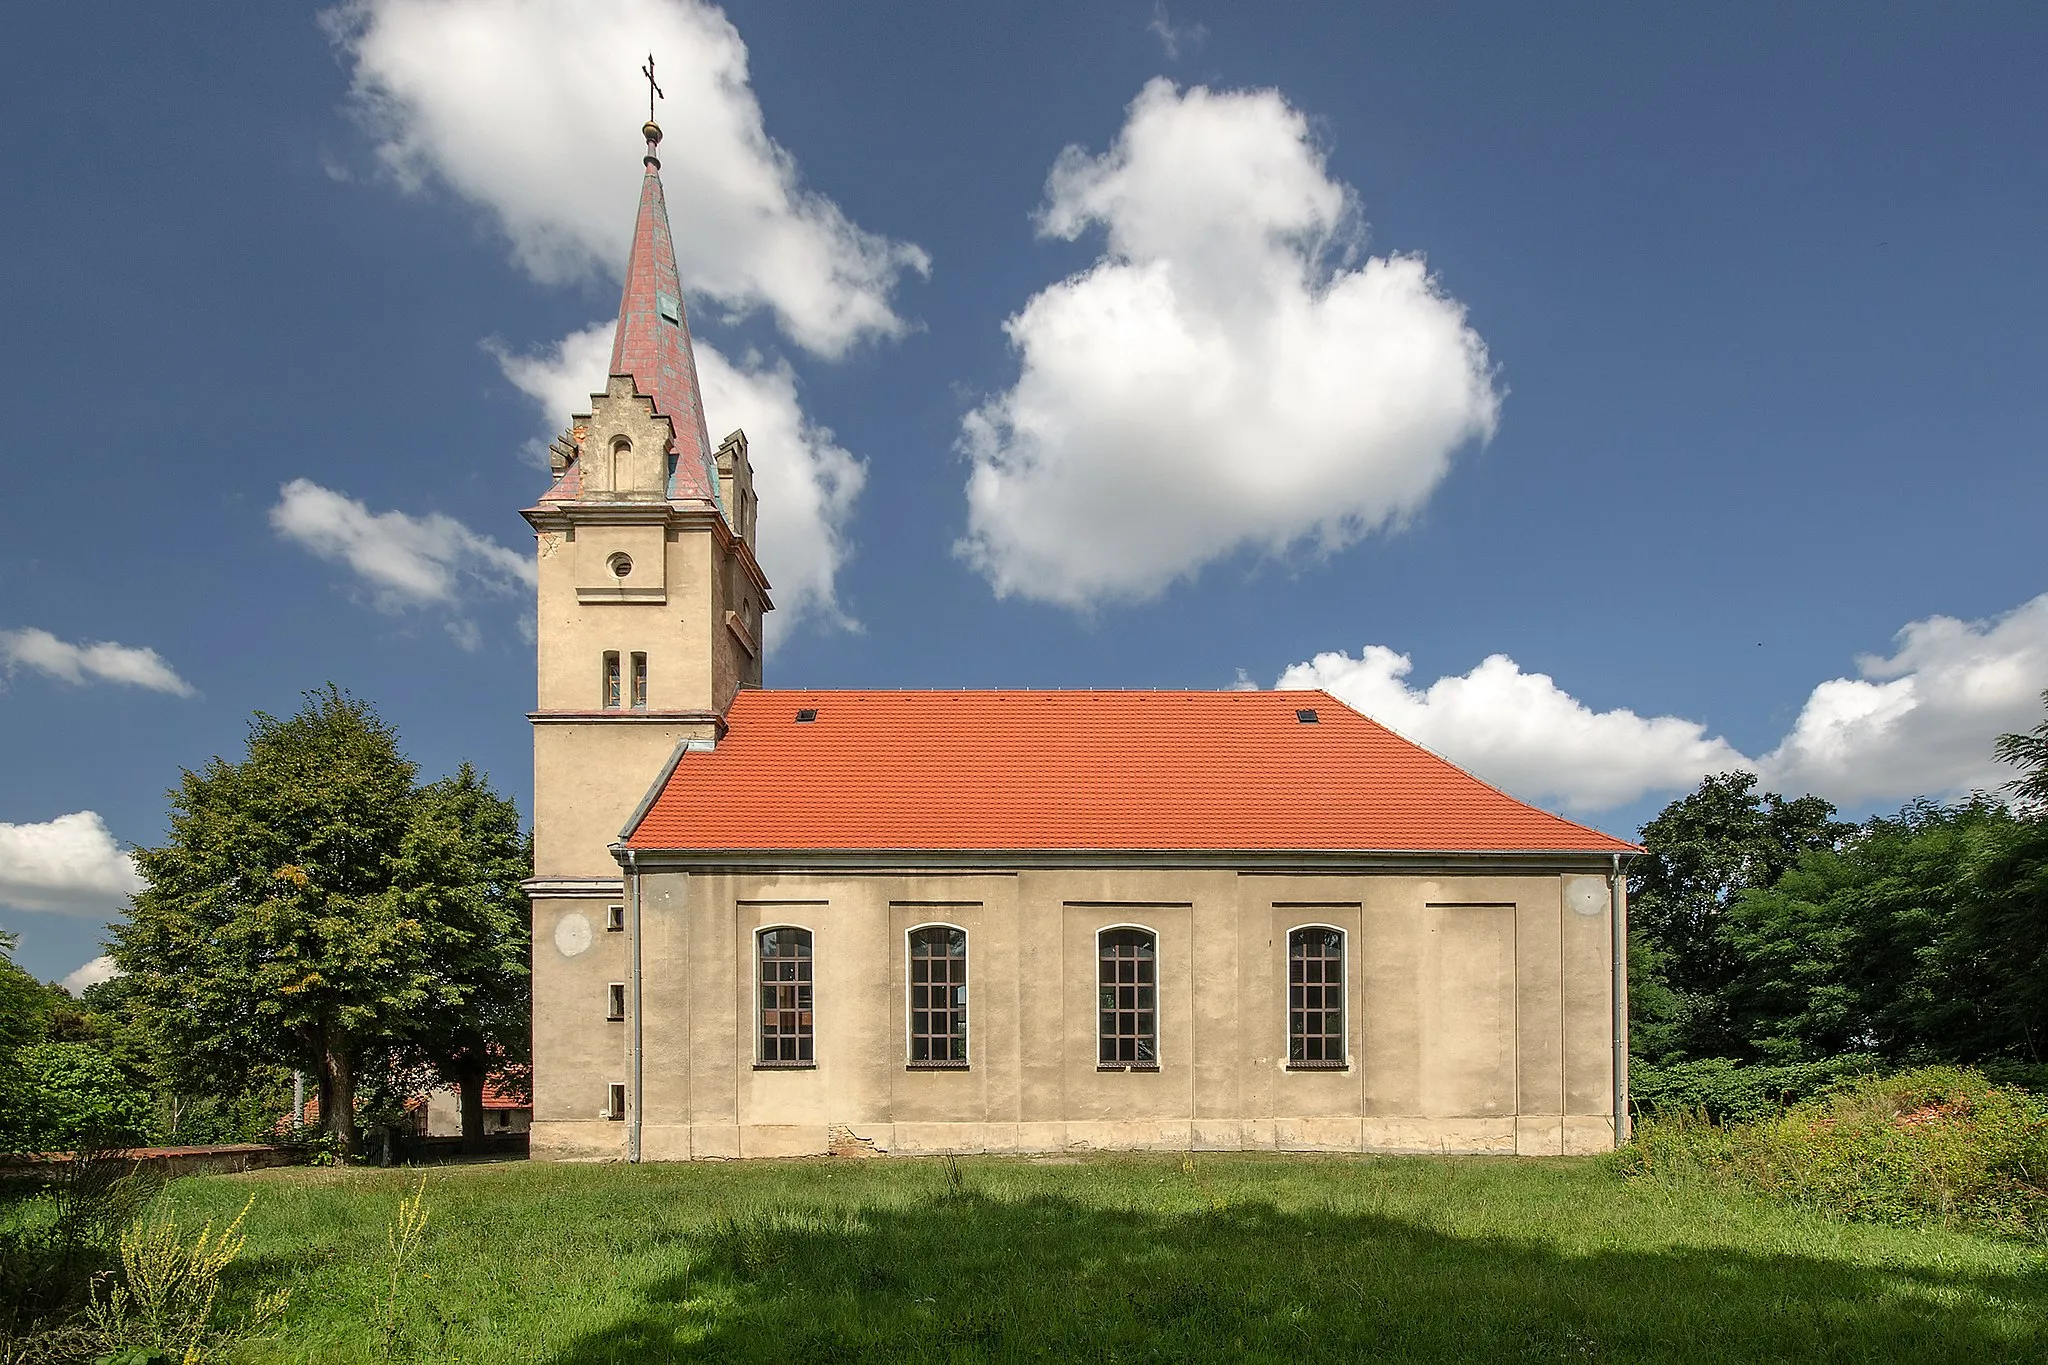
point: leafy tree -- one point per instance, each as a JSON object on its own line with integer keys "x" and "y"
{"x": 24, "y": 1004}
{"x": 2029, "y": 753}
{"x": 270, "y": 929}
{"x": 1705, "y": 850}
{"x": 460, "y": 870}
{"x": 1853, "y": 950}
{"x": 2000, "y": 944}
{"x": 73, "y": 1097}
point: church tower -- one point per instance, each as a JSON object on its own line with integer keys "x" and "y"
{"x": 650, "y": 599}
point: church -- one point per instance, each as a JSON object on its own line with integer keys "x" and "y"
{"x": 779, "y": 923}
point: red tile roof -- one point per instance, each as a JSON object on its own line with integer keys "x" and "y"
{"x": 1082, "y": 770}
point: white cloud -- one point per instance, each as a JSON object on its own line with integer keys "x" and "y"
{"x": 1226, "y": 376}
{"x": 1918, "y": 722}
{"x": 69, "y": 866}
{"x": 1922, "y": 719}
{"x": 1175, "y": 38}
{"x": 406, "y": 561}
{"x": 1521, "y": 731}
{"x": 100, "y": 969}
{"x": 530, "y": 109}
{"x": 104, "y": 661}
{"x": 807, "y": 482}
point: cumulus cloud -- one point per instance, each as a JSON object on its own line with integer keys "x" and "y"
{"x": 1227, "y": 375}
{"x": 1521, "y": 731}
{"x": 405, "y": 561}
{"x": 105, "y": 661}
{"x": 530, "y": 109}
{"x": 1919, "y": 721}
{"x": 100, "y": 969}
{"x": 807, "y": 482}
{"x": 67, "y": 866}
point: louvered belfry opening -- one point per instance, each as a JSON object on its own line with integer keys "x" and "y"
{"x": 1129, "y": 1025}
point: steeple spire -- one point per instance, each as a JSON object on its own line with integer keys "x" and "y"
{"x": 652, "y": 344}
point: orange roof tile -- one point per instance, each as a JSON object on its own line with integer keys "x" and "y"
{"x": 1082, "y": 770}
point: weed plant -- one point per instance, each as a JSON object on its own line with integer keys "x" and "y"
{"x": 1937, "y": 1146}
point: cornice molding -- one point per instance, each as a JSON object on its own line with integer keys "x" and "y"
{"x": 628, "y": 717}
{"x": 1248, "y": 862}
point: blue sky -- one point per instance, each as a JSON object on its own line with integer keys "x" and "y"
{"x": 1680, "y": 359}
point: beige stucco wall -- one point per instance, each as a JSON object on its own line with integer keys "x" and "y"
{"x": 1477, "y": 1014}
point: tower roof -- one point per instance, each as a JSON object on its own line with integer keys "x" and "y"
{"x": 652, "y": 344}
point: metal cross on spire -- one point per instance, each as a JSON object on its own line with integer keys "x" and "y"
{"x": 652, "y": 88}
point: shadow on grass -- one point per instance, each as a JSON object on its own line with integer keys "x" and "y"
{"x": 969, "y": 1278}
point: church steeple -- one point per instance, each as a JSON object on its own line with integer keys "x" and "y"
{"x": 652, "y": 344}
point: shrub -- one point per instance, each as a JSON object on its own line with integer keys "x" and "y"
{"x": 70, "y": 1096}
{"x": 1733, "y": 1092}
{"x": 1937, "y": 1145}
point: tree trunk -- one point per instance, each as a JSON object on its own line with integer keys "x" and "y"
{"x": 469, "y": 1078}
{"x": 338, "y": 1095}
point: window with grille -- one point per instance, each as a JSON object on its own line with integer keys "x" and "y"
{"x": 639, "y": 682}
{"x": 1315, "y": 999}
{"x": 785, "y": 981}
{"x": 1128, "y": 1029}
{"x": 611, "y": 680}
{"x": 938, "y": 996}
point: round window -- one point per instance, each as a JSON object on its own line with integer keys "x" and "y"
{"x": 621, "y": 565}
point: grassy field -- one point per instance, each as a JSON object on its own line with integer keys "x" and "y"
{"x": 1106, "y": 1259}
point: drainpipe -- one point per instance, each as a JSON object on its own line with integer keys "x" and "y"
{"x": 633, "y": 1105}
{"x": 1617, "y": 918}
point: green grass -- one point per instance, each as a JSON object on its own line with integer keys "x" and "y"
{"x": 1110, "y": 1259}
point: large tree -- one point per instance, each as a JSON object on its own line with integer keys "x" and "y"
{"x": 459, "y": 871}
{"x": 271, "y": 927}
{"x": 1705, "y": 850}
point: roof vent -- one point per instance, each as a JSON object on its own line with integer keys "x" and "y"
{"x": 1307, "y": 716}
{"x": 806, "y": 715}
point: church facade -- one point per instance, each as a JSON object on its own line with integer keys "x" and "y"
{"x": 774, "y": 923}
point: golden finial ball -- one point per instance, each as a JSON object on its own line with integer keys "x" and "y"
{"x": 651, "y": 131}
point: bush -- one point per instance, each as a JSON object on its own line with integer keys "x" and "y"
{"x": 1943, "y": 1146}
{"x": 69, "y": 1096}
{"x": 1732, "y": 1092}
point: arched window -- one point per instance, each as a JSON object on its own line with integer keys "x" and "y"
{"x": 1128, "y": 1027}
{"x": 938, "y": 996}
{"x": 1315, "y": 998}
{"x": 785, "y": 981}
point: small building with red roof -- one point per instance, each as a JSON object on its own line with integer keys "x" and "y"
{"x": 784, "y": 922}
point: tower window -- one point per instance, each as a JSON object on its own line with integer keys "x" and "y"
{"x": 639, "y": 682}
{"x": 615, "y": 1000}
{"x": 615, "y": 919}
{"x": 611, "y": 680}
{"x": 618, "y": 1101}
{"x": 620, "y": 565}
